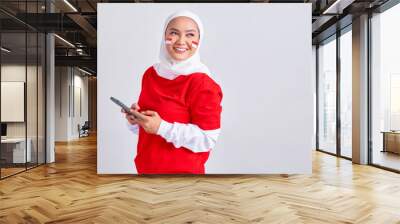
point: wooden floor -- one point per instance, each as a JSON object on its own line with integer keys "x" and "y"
{"x": 70, "y": 191}
{"x": 5, "y": 172}
{"x": 387, "y": 159}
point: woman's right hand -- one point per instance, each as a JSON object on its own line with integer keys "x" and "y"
{"x": 130, "y": 118}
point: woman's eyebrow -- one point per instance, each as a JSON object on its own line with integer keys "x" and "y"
{"x": 173, "y": 29}
{"x": 191, "y": 30}
{"x": 187, "y": 31}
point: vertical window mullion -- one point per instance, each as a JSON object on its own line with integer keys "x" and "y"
{"x": 317, "y": 96}
{"x": 37, "y": 90}
{"x": 26, "y": 86}
{"x": 369, "y": 91}
{"x": 338, "y": 91}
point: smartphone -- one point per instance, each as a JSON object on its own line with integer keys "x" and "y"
{"x": 123, "y": 106}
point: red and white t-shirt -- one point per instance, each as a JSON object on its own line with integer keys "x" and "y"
{"x": 190, "y": 107}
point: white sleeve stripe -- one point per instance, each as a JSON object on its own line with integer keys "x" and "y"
{"x": 133, "y": 127}
{"x": 189, "y": 136}
{"x": 213, "y": 133}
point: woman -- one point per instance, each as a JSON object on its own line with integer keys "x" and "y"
{"x": 179, "y": 107}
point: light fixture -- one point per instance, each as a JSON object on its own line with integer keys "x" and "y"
{"x": 337, "y": 7}
{"x": 64, "y": 40}
{"x": 84, "y": 71}
{"x": 5, "y": 50}
{"x": 79, "y": 51}
{"x": 70, "y": 5}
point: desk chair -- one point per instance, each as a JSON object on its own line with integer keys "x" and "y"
{"x": 84, "y": 130}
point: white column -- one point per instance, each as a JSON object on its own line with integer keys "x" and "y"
{"x": 50, "y": 110}
{"x": 50, "y": 92}
{"x": 360, "y": 90}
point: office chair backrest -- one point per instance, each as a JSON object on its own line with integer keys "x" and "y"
{"x": 86, "y": 125}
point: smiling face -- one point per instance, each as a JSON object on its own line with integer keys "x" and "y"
{"x": 181, "y": 38}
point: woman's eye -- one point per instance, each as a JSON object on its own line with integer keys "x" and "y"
{"x": 190, "y": 35}
{"x": 173, "y": 33}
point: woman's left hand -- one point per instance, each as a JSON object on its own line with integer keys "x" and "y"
{"x": 151, "y": 122}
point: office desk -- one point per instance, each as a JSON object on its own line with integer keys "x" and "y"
{"x": 391, "y": 141}
{"x": 13, "y": 150}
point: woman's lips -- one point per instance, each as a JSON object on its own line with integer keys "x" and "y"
{"x": 180, "y": 50}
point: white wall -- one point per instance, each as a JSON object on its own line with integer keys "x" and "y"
{"x": 68, "y": 81}
{"x": 17, "y": 73}
{"x": 261, "y": 59}
{"x": 61, "y": 103}
{"x": 80, "y": 84}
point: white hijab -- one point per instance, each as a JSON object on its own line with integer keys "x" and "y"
{"x": 170, "y": 68}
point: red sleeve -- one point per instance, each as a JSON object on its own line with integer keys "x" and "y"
{"x": 205, "y": 105}
{"x": 143, "y": 86}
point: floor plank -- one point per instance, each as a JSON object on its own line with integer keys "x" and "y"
{"x": 70, "y": 191}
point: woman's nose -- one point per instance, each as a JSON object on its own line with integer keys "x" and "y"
{"x": 181, "y": 39}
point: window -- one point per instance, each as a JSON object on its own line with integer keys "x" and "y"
{"x": 385, "y": 88}
{"x": 327, "y": 96}
{"x": 346, "y": 93}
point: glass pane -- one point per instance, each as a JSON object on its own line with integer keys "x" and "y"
{"x": 41, "y": 99}
{"x": 346, "y": 93}
{"x": 386, "y": 89}
{"x": 13, "y": 86}
{"x": 327, "y": 97}
{"x": 22, "y": 67}
{"x": 31, "y": 85}
{"x": 31, "y": 100}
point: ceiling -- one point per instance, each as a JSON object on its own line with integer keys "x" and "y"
{"x": 76, "y": 21}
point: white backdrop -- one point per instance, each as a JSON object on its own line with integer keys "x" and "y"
{"x": 260, "y": 54}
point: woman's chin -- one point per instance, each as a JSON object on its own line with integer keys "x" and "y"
{"x": 179, "y": 58}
